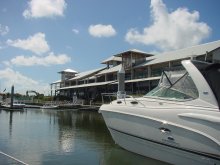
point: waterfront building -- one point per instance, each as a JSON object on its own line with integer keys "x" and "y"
{"x": 142, "y": 71}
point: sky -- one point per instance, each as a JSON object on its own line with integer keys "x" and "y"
{"x": 39, "y": 38}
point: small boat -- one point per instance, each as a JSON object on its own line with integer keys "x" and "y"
{"x": 16, "y": 106}
{"x": 49, "y": 106}
{"x": 177, "y": 122}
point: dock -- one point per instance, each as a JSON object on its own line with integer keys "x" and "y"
{"x": 60, "y": 107}
{"x": 12, "y": 109}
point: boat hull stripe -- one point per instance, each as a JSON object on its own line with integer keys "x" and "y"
{"x": 160, "y": 143}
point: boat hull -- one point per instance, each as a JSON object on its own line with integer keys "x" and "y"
{"x": 49, "y": 107}
{"x": 145, "y": 136}
{"x": 159, "y": 151}
{"x": 16, "y": 107}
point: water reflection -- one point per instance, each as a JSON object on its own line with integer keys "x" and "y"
{"x": 119, "y": 156}
{"x": 10, "y": 123}
{"x": 66, "y": 123}
{"x": 62, "y": 137}
{"x": 85, "y": 127}
{"x": 11, "y": 120}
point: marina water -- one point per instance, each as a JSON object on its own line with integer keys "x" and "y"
{"x": 67, "y": 137}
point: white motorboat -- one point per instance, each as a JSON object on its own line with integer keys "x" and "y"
{"x": 177, "y": 122}
{"x": 16, "y": 106}
{"x": 49, "y": 106}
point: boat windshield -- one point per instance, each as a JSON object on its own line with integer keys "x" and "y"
{"x": 175, "y": 85}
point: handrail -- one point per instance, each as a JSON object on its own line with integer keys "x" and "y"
{"x": 115, "y": 95}
{"x": 13, "y": 158}
{"x": 109, "y": 95}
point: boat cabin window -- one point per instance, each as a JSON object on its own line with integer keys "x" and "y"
{"x": 175, "y": 85}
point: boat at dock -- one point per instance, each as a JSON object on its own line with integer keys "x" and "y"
{"x": 12, "y": 104}
{"x": 177, "y": 122}
{"x": 16, "y": 106}
{"x": 49, "y": 106}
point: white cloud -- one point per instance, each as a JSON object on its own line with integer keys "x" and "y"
{"x": 35, "y": 43}
{"x": 100, "y": 30}
{"x": 22, "y": 83}
{"x": 173, "y": 30}
{"x": 76, "y": 31}
{"x": 3, "y": 30}
{"x": 45, "y": 8}
{"x": 15, "y": 77}
{"x": 48, "y": 60}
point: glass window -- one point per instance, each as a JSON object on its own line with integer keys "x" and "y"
{"x": 175, "y": 85}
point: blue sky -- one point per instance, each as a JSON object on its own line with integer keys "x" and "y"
{"x": 39, "y": 38}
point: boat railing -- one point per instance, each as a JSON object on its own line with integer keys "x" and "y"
{"x": 118, "y": 95}
{"x": 110, "y": 96}
{"x": 11, "y": 159}
{"x": 123, "y": 95}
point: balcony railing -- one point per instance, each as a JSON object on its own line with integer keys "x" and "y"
{"x": 156, "y": 73}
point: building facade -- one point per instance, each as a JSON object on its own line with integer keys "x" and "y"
{"x": 142, "y": 72}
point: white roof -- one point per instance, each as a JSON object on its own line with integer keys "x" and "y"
{"x": 86, "y": 74}
{"x": 134, "y": 51}
{"x": 55, "y": 82}
{"x": 88, "y": 85}
{"x": 92, "y": 77}
{"x": 112, "y": 58}
{"x": 68, "y": 71}
{"x": 183, "y": 53}
{"x": 137, "y": 51}
{"x": 143, "y": 79}
{"x": 110, "y": 70}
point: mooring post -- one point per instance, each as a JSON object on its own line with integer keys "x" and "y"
{"x": 12, "y": 96}
{"x": 121, "y": 83}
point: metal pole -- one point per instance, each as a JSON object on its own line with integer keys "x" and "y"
{"x": 12, "y": 96}
{"x": 121, "y": 83}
